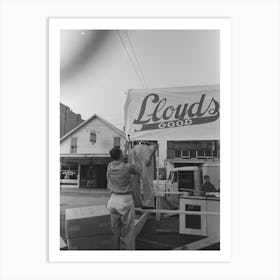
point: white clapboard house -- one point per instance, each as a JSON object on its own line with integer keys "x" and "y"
{"x": 84, "y": 153}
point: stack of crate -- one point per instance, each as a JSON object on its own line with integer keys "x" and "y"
{"x": 88, "y": 228}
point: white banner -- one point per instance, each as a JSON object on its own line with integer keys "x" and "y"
{"x": 183, "y": 113}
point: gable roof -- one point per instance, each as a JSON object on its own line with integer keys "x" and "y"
{"x": 121, "y": 133}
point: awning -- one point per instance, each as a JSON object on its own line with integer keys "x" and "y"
{"x": 85, "y": 159}
{"x": 85, "y": 155}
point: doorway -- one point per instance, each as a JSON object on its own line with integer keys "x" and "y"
{"x": 93, "y": 176}
{"x": 88, "y": 176}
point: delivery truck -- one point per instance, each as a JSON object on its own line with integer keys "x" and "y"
{"x": 189, "y": 180}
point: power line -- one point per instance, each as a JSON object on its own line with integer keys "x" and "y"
{"x": 134, "y": 65}
{"x": 130, "y": 59}
{"x": 136, "y": 59}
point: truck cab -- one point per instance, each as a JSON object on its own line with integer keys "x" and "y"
{"x": 183, "y": 179}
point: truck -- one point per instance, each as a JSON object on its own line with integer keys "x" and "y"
{"x": 188, "y": 181}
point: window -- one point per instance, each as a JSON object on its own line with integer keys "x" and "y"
{"x": 200, "y": 153}
{"x": 185, "y": 154}
{"x": 177, "y": 153}
{"x": 182, "y": 153}
{"x": 209, "y": 152}
{"x": 92, "y": 137}
{"x": 205, "y": 153}
{"x": 192, "y": 153}
{"x": 117, "y": 141}
{"x": 73, "y": 146}
{"x": 186, "y": 180}
{"x": 69, "y": 171}
{"x": 191, "y": 150}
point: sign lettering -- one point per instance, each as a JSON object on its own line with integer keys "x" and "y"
{"x": 178, "y": 115}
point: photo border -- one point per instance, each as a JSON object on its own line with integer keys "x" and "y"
{"x": 221, "y": 24}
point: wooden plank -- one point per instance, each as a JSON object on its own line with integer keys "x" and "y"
{"x": 164, "y": 231}
{"x": 200, "y": 244}
{"x": 155, "y": 243}
{"x": 139, "y": 223}
{"x": 157, "y": 192}
{"x": 167, "y": 215}
{"x": 166, "y": 211}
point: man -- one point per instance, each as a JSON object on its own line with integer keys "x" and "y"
{"x": 121, "y": 204}
{"x": 142, "y": 155}
{"x": 207, "y": 186}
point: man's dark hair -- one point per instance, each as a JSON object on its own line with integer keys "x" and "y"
{"x": 206, "y": 177}
{"x": 115, "y": 153}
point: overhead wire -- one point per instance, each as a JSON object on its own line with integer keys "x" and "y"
{"x": 136, "y": 58}
{"x": 133, "y": 63}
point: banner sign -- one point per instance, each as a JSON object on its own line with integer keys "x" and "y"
{"x": 185, "y": 113}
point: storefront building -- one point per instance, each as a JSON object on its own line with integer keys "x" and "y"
{"x": 84, "y": 153}
{"x": 191, "y": 153}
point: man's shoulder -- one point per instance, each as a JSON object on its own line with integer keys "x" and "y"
{"x": 115, "y": 164}
{"x": 119, "y": 167}
{"x": 125, "y": 165}
{"x": 111, "y": 164}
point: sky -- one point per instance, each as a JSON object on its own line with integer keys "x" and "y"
{"x": 98, "y": 67}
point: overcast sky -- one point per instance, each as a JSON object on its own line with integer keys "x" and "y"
{"x": 96, "y": 70}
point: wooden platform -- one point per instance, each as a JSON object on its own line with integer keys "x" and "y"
{"x": 140, "y": 222}
{"x": 200, "y": 244}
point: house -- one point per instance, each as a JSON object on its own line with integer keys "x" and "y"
{"x": 84, "y": 153}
